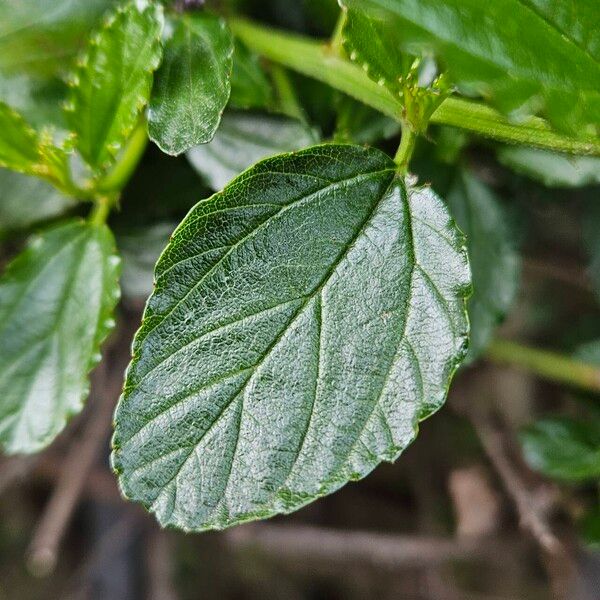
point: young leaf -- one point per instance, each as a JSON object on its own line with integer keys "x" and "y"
{"x": 495, "y": 262}
{"x": 562, "y": 448}
{"x": 304, "y": 321}
{"x": 26, "y": 200}
{"x": 243, "y": 139}
{"x": 192, "y": 86}
{"x": 551, "y": 168}
{"x": 18, "y": 142}
{"x": 250, "y": 87}
{"x": 112, "y": 81}
{"x": 56, "y": 303}
{"x": 524, "y": 54}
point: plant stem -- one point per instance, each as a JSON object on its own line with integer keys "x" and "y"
{"x": 116, "y": 179}
{"x": 317, "y": 60}
{"x": 337, "y": 38}
{"x": 101, "y": 210}
{"x": 405, "y": 149}
{"x": 549, "y": 365}
{"x": 288, "y": 101}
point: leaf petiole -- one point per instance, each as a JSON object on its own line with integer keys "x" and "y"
{"x": 405, "y": 149}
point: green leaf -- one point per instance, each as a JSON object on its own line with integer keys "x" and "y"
{"x": 361, "y": 124}
{"x": 372, "y": 42}
{"x": 192, "y": 85}
{"x": 304, "y": 321}
{"x": 111, "y": 84}
{"x": 18, "y": 142}
{"x": 243, "y": 139}
{"x": 40, "y": 36}
{"x": 250, "y": 87}
{"x": 140, "y": 248}
{"x": 551, "y": 168}
{"x": 495, "y": 262}
{"x": 525, "y": 55}
{"x": 56, "y": 303}
{"x": 26, "y": 200}
{"x": 563, "y": 448}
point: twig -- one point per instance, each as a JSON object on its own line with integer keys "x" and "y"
{"x": 315, "y": 544}
{"x": 532, "y": 509}
{"x": 569, "y": 276}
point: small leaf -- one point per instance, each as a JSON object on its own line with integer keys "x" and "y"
{"x": 495, "y": 262}
{"x": 56, "y": 303}
{"x": 250, "y": 87}
{"x": 112, "y": 81}
{"x": 525, "y": 55}
{"x": 18, "y": 142}
{"x": 563, "y": 448}
{"x": 551, "y": 168}
{"x": 243, "y": 139}
{"x": 304, "y": 321}
{"x": 26, "y": 200}
{"x": 40, "y": 36}
{"x": 361, "y": 124}
{"x": 192, "y": 86}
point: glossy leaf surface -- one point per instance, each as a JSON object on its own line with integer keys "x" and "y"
{"x": 304, "y": 321}
{"x": 525, "y": 55}
{"x": 56, "y": 303}
{"x": 111, "y": 84}
{"x": 495, "y": 262}
{"x": 192, "y": 86}
{"x": 243, "y": 139}
{"x": 563, "y": 448}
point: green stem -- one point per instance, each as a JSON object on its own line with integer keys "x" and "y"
{"x": 101, "y": 210}
{"x": 549, "y": 365}
{"x": 337, "y": 38}
{"x": 317, "y": 60}
{"x": 288, "y": 101}
{"x": 116, "y": 179}
{"x": 405, "y": 150}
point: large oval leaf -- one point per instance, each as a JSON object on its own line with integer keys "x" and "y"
{"x": 192, "y": 86}
{"x": 304, "y": 320}
{"x": 56, "y": 303}
{"x": 524, "y": 54}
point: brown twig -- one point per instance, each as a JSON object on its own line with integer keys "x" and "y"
{"x": 532, "y": 506}
{"x": 15, "y": 469}
{"x": 317, "y": 544}
{"x": 159, "y": 560}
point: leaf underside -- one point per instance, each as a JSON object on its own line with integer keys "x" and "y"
{"x": 192, "y": 86}
{"x": 304, "y": 320}
{"x": 56, "y": 303}
{"x": 525, "y": 55}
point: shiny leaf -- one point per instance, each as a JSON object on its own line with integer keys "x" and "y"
{"x": 192, "y": 86}
{"x": 56, "y": 303}
{"x": 526, "y": 55}
{"x": 112, "y": 81}
{"x": 243, "y": 139}
{"x": 250, "y": 87}
{"x": 304, "y": 321}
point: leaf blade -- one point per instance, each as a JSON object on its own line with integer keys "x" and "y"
{"x": 235, "y": 434}
{"x": 56, "y": 303}
{"x": 193, "y": 85}
{"x": 112, "y": 82}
